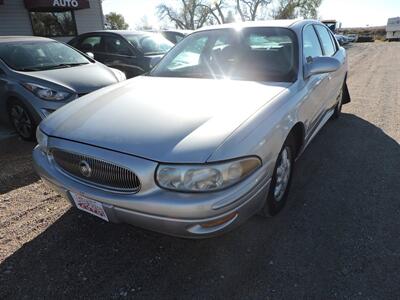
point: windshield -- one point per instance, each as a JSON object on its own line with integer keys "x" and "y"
{"x": 38, "y": 56}
{"x": 259, "y": 54}
{"x": 150, "y": 44}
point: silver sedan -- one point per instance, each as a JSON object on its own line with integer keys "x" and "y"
{"x": 207, "y": 139}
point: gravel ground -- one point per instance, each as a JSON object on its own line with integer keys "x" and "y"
{"x": 337, "y": 238}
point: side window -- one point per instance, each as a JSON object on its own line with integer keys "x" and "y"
{"x": 311, "y": 45}
{"x": 334, "y": 42}
{"x": 116, "y": 45}
{"x": 329, "y": 48}
{"x": 91, "y": 44}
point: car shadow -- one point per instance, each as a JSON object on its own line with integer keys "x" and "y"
{"x": 343, "y": 208}
{"x": 16, "y": 168}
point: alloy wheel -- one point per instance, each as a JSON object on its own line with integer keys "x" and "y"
{"x": 283, "y": 173}
{"x": 21, "y": 121}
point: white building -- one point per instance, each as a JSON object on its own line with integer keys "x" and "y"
{"x": 393, "y": 29}
{"x": 58, "y": 19}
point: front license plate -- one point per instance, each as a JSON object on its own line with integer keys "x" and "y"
{"x": 90, "y": 206}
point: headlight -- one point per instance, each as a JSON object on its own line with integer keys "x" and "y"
{"x": 46, "y": 93}
{"x": 42, "y": 139}
{"x": 207, "y": 177}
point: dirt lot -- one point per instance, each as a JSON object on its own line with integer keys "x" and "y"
{"x": 338, "y": 237}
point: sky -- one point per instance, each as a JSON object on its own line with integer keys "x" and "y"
{"x": 351, "y": 13}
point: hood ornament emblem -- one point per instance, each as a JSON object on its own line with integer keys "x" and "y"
{"x": 85, "y": 168}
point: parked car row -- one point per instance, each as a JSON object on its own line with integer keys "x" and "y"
{"x": 39, "y": 75}
{"x": 194, "y": 163}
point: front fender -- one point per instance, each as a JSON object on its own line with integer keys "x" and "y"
{"x": 263, "y": 134}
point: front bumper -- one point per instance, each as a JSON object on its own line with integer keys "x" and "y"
{"x": 172, "y": 213}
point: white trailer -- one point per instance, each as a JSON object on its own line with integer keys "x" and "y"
{"x": 393, "y": 29}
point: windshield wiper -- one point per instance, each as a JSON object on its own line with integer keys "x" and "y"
{"x": 154, "y": 53}
{"x": 28, "y": 69}
{"x": 66, "y": 65}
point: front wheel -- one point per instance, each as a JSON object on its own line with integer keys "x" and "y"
{"x": 281, "y": 181}
{"x": 22, "y": 120}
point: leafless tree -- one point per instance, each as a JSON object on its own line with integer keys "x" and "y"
{"x": 250, "y": 10}
{"x": 192, "y": 14}
{"x": 289, "y": 9}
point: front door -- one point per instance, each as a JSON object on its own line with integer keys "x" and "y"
{"x": 316, "y": 86}
{"x": 120, "y": 55}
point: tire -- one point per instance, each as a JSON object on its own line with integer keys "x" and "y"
{"x": 22, "y": 120}
{"x": 277, "y": 198}
{"x": 339, "y": 105}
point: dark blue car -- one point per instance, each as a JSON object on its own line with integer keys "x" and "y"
{"x": 132, "y": 52}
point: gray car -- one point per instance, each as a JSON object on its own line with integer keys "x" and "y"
{"x": 39, "y": 75}
{"x": 205, "y": 141}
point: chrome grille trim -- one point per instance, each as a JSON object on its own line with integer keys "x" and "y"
{"x": 105, "y": 175}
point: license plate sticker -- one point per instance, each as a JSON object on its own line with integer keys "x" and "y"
{"x": 90, "y": 206}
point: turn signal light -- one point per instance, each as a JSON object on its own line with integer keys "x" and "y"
{"x": 218, "y": 222}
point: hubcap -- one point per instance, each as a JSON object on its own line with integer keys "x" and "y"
{"x": 282, "y": 174}
{"x": 21, "y": 120}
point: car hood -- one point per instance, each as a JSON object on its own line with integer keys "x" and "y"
{"x": 162, "y": 119}
{"x": 82, "y": 79}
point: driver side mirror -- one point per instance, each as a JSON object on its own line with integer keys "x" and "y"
{"x": 90, "y": 54}
{"x": 320, "y": 65}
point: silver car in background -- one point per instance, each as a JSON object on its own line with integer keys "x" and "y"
{"x": 39, "y": 75}
{"x": 205, "y": 141}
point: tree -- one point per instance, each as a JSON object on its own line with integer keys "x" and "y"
{"x": 230, "y": 18}
{"x": 250, "y": 10}
{"x": 290, "y": 9}
{"x": 191, "y": 14}
{"x": 115, "y": 21}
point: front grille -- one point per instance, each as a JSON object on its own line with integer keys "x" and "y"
{"x": 96, "y": 172}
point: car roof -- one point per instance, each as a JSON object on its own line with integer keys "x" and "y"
{"x": 121, "y": 32}
{"x": 14, "y": 39}
{"x": 288, "y": 23}
{"x": 184, "y": 31}
{"x": 269, "y": 23}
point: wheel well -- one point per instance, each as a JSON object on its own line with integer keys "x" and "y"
{"x": 346, "y": 93}
{"x": 297, "y": 133}
{"x": 10, "y": 99}
{"x": 6, "y": 106}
